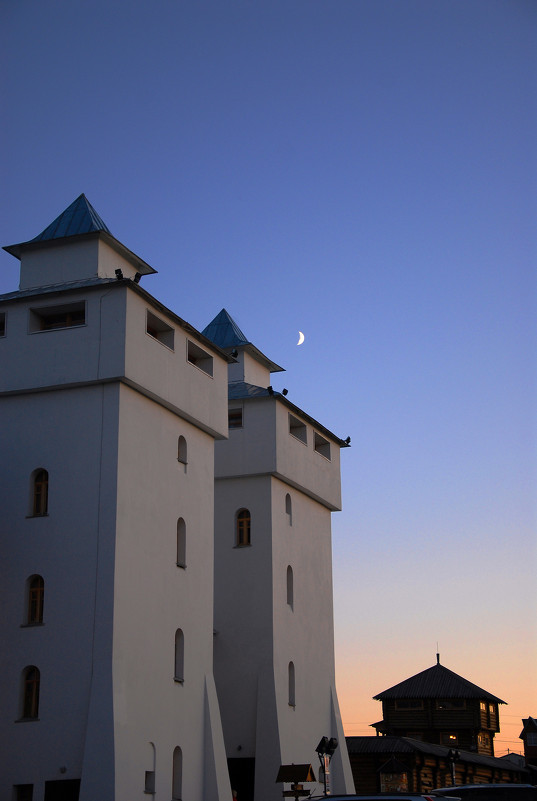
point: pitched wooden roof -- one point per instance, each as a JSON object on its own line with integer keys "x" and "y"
{"x": 436, "y": 682}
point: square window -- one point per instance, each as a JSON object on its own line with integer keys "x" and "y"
{"x": 199, "y": 358}
{"x": 234, "y": 418}
{"x": 298, "y": 429}
{"x": 159, "y": 330}
{"x": 322, "y": 446}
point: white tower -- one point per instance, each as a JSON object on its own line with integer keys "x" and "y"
{"x": 110, "y": 405}
{"x": 277, "y": 480}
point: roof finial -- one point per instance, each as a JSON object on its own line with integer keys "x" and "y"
{"x": 437, "y": 655}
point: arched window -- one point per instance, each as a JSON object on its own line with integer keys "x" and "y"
{"x": 290, "y": 588}
{"x": 182, "y": 451}
{"x": 244, "y": 521}
{"x": 179, "y": 668}
{"x": 181, "y": 543}
{"x": 40, "y": 493}
{"x": 30, "y": 692}
{"x": 289, "y": 509}
{"x": 177, "y": 775}
{"x": 35, "y": 598}
{"x": 291, "y": 684}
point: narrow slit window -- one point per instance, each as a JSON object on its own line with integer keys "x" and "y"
{"x": 30, "y": 694}
{"x": 244, "y": 523}
{"x": 39, "y": 493}
{"x": 50, "y": 318}
{"x": 36, "y": 596}
{"x": 182, "y": 450}
{"x": 289, "y": 509}
{"x": 179, "y": 668}
{"x": 149, "y": 784}
{"x": 322, "y": 446}
{"x": 199, "y": 358}
{"x": 298, "y": 429}
{"x": 290, "y": 587}
{"x": 177, "y": 775}
{"x": 291, "y": 680}
{"x": 181, "y": 543}
{"x": 2, "y": 324}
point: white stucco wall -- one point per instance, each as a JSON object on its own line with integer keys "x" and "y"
{"x": 258, "y": 631}
{"x": 153, "y": 597}
{"x": 169, "y": 375}
{"x": 71, "y": 434}
{"x": 72, "y": 259}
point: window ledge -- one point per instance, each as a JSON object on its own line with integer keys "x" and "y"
{"x": 27, "y": 720}
{"x": 178, "y": 681}
{"x": 28, "y": 517}
{"x": 181, "y": 565}
{"x": 246, "y": 545}
{"x": 31, "y": 625}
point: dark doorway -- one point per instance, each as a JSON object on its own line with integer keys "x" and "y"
{"x": 242, "y": 777}
{"x": 66, "y": 790}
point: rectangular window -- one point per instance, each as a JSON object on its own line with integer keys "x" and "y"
{"x": 449, "y": 738}
{"x": 51, "y": 318}
{"x": 3, "y": 330}
{"x": 159, "y": 330}
{"x": 451, "y": 703}
{"x": 199, "y": 357}
{"x": 149, "y": 786}
{"x": 298, "y": 429}
{"x": 531, "y": 739}
{"x": 23, "y": 792}
{"x": 234, "y": 418}
{"x": 322, "y": 446}
{"x": 408, "y": 703}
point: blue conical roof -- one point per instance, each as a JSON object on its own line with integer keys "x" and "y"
{"x": 78, "y": 218}
{"x": 224, "y": 331}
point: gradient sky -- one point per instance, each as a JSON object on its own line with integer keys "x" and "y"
{"x": 363, "y": 171}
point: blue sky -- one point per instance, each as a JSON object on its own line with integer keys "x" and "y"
{"x": 363, "y": 171}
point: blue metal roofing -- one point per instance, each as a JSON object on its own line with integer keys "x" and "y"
{"x": 224, "y": 331}
{"x": 78, "y": 218}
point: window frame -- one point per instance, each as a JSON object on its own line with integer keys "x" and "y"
{"x": 31, "y": 686}
{"x": 243, "y": 528}
{"x": 41, "y": 318}
{"x": 35, "y": 597}
{"x": 238, "y": 413}
{"x": 39, "y": 492}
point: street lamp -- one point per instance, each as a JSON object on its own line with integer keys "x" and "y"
{"x": 325, "y": 751}
{"x": 453, "y": 756}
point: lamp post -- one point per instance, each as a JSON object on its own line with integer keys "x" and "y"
{"x": 452, "y": 756}
{"x": 325, "y": 751}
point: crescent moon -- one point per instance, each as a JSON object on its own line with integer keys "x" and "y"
{"x": 300, "y": 338}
